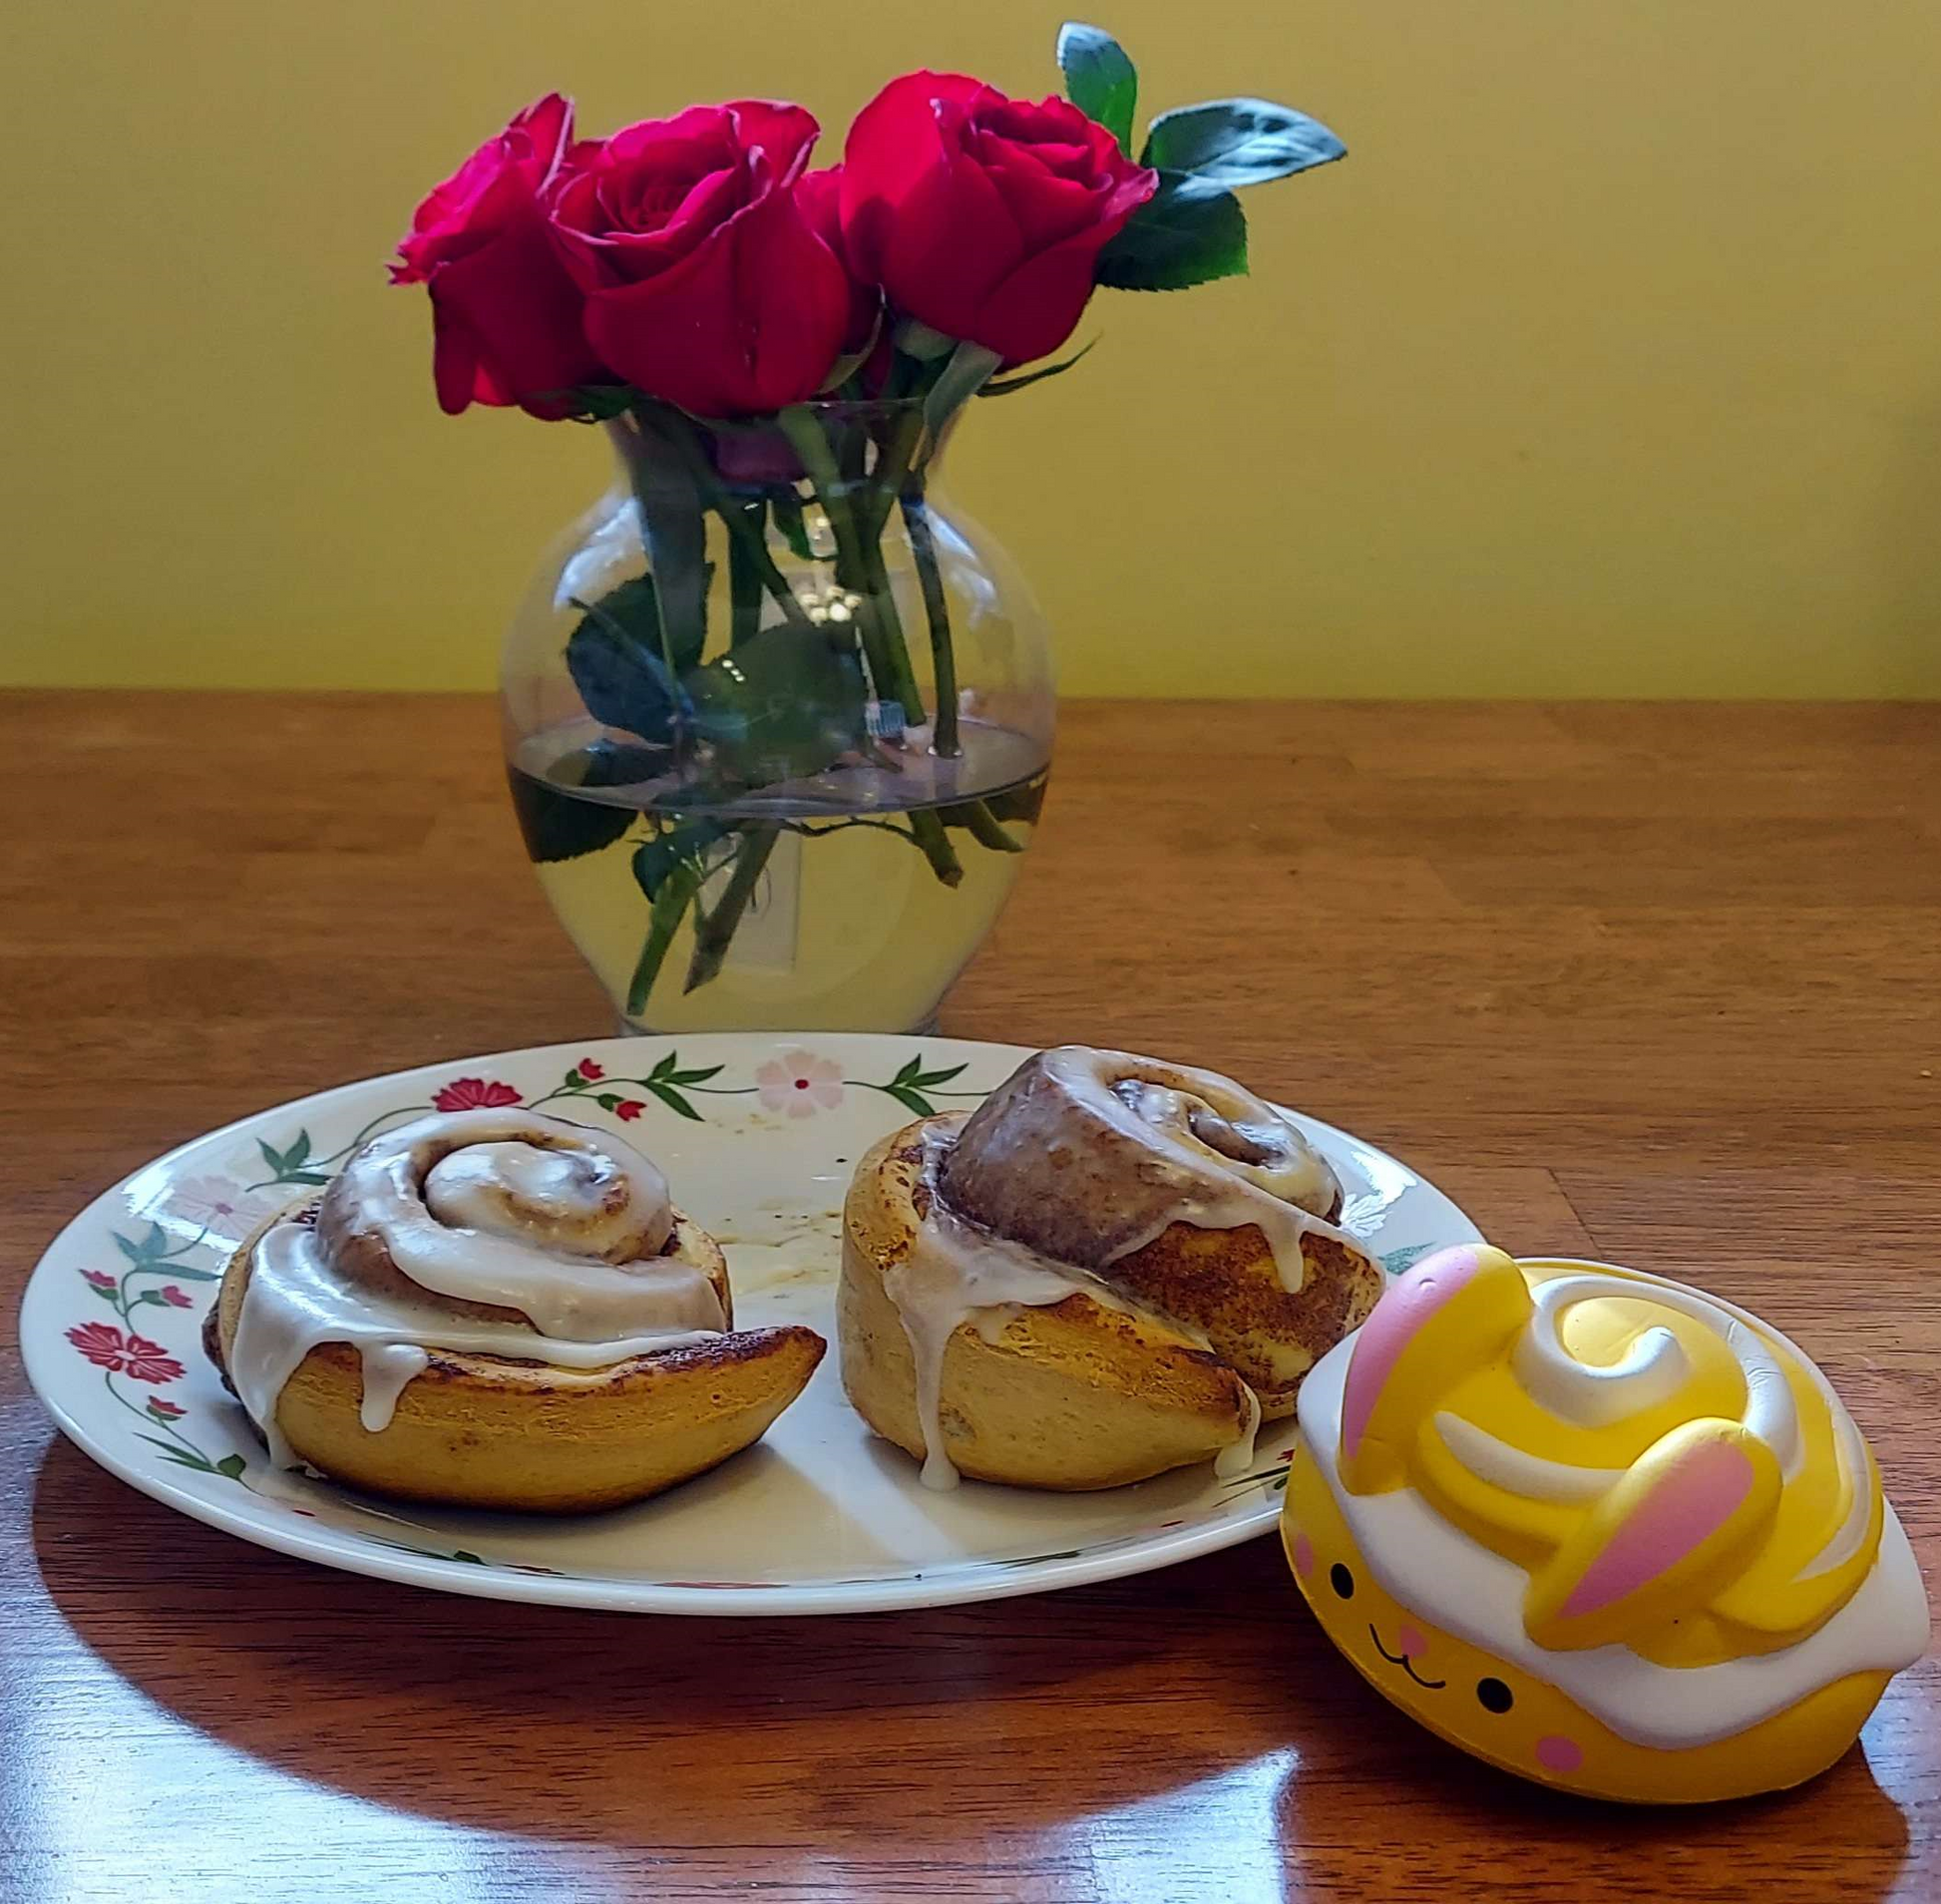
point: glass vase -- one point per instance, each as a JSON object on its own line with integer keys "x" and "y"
{"x": 778, "y": 722}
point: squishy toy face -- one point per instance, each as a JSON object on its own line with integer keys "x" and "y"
{"x": 1599, "y": 1529}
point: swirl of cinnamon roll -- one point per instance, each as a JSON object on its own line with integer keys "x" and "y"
{"x": 512, "y": 1211}
{"x": 1088, "y": 1156}
{"x": 498, "y": 1308}
{"x": 1141, "y": 1252}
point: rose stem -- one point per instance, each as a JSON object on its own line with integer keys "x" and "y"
{"x": 671, "y": 904}
{"x": 744, "y": 576}
{"x": 714, "y": 932}
{"x": 936, "y": 610}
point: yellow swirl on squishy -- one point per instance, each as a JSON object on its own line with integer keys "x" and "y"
{"x": 1599, "y": 1528}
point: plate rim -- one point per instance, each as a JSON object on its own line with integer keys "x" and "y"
{"x": 331, "y": 1548}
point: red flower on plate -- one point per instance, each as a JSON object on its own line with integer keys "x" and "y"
{"x": 588, "y": 1068}
{"x": 104, "y": 1345}
{"x": 627, "y": 1112}
{"x": 150, "y": 1362}
{"x": 101, "y": 1343}
{"x": 177, "y": 1299}
{"x": 100, "y": 1278}
{"x": 164, "y": 1410}
{"x": 474, "y": 1094}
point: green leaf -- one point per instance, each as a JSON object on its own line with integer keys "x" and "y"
{"x": 188, "y": 1275}
{"x": 664, "y": 1065}
{"x": 299, "y": 1152}
{"x": 616, "y": 660}
{"x": 1239, "y": 141}
{"x": 471, "y": 1559}
{"x": 782, "y": 704}
{"x": 1099, "y": 78}
{"x": 181, "y": 1455}
{"x": 555, "y": 825}
{"x": 904, "y": 1072}
{"x": 305, "y": 1176}
{"x": 698, "y": 1076}
{"x": 912, "y": 1100}
{"x": 1398, "y": 1260}
{"x": 600, "y": 402}
{"x": 233, "y": 1465}
{"x": 930, "y": 1080}
{"x": 607, "y": 1099}
{"x": 1006, "y": 385}
{"x": 133, "y": 1250}
{"x": 273, "y": 1157}
{"x": 681, "y": 843}
{"x": 1188, "y": 232}
{"x": 674, "y": 1101}
{"x": 109, "y": 1297}
{"x": 786, "y": 508}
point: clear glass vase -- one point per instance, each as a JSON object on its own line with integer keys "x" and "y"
{"x": 778, "y": 722}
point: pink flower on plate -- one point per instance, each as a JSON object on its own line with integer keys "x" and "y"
{"x": 474, "y": 1094}
{"x": 588, "y": 1069}
{"x": 800, "y": 1083}
{"x": 219, "y": 1203}
{"x": 627, "y": 1112}
{"x": 100, "y": 1278}
{"x": 177, "y": 1299}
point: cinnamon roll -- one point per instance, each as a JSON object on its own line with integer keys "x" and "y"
{"x": 498, "y": 1308}
{"x": 1115, "y": 1266}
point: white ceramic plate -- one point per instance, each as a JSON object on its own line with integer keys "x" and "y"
{"x": 758, "y": 1134}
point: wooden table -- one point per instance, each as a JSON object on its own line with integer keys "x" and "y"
{"x": 1654, "y": 984}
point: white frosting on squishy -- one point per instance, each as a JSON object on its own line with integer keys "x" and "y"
{"x": 1433, "y": 1568}
{"x": 294, "y": 1301}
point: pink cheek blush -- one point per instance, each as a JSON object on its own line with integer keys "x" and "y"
{"x": 1558, "y": 1753}
{"x": 1304, "y": 1555}
{"x": 1410, "y": 1644}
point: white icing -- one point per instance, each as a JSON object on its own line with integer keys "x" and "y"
{"x": 1453, "y": 1581}
{"x": 294, "y": 1301}
{"x": 1233, "y": 1462}
{"x": 954, "y": 1272}
{"x": 1158, "y": 1108}
{"x": 1529, "y": 1475}
{"x": 555, "y": 1221}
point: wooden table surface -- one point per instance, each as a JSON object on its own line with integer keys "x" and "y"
{"x": 1658, "y": 984}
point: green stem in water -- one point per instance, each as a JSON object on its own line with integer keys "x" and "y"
{"x": 715, "y": 932}
{"x": 936, "y": 610}
{"x": 936, "y": 841}
{"x": 744, "y": 576}
{"x": 670, "y": 902}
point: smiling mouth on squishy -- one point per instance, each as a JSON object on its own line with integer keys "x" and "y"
{"x": 1402, "y": 1660}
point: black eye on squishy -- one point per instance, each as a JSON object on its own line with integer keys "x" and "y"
{"x": 1493, "y": 1696}
{"x": 1341, "y": 1581}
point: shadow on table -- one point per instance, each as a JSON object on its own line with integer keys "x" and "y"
{"x": 1009, "y": 1723}
{"x": 1347, "y": 1836}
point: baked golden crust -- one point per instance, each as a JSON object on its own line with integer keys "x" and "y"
{"x": 479, "y": 1430}
{"x": 1071, "y": 1395}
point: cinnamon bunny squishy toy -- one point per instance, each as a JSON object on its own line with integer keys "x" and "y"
{"x": 1599, "y": 1529}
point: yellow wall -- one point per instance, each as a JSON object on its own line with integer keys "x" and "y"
{"x": 1609, "y": 363}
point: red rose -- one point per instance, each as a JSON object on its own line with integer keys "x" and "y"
{"x": 982, "y": 215}
{"x": 820, "y": 197}
{"x": 627, "y": 1112}
{"x": 506, "y": 313}
{"x": 705, "y": 282}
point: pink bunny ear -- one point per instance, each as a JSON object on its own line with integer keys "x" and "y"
{"x": 1679, "y": 1525}
{"x": 1433, "y": 1322}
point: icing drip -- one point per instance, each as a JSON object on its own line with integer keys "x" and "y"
{"x": 512, "y": 1209}
{"x": 956, "y": 1272}
{"x": 1427, "y": 1563}
{"x": 1088, "y": 1156}
{"x": 1236, "y": 1457}
{"x": 296, "y": 1301}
